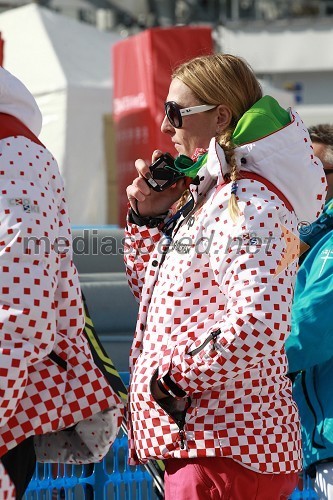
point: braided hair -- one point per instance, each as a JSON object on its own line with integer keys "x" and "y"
{"x": 229, "y": 148}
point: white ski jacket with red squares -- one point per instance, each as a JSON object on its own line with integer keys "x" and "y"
{"x": 215, "y": 312}
{"x": 41, "y": 312}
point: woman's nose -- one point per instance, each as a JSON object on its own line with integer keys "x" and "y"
{"x": 166, "y": 125}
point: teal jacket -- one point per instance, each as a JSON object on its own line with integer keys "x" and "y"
{"x": 310, "y": 345}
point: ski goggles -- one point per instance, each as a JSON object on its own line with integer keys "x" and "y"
{"x": 175, "y": 114}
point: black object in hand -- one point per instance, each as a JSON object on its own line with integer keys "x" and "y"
{"x": 163, "y": 173}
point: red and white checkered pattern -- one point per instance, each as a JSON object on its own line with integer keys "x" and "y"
{"x": 40, "y": 307}
{"x": 7, "y": 488}
{"x": 241, "y": 403}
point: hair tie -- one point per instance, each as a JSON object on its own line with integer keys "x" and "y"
{"x": 234, "y": 187}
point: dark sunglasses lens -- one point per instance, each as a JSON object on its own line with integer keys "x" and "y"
{"x": 173, "y": 114}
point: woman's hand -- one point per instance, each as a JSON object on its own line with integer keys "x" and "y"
{"x": 147, "y": 202}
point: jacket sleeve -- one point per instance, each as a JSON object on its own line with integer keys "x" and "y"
{"x": 139, "y": 244}
{"x": 28, "y": 212}
{"x": 257, "y": 311}
{"x": 310, "y": 342}
{"x": 67, "y": 296}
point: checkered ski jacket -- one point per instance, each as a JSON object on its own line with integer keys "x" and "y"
{"x": 215, "y": 312}
{"x": 41, "y": 311}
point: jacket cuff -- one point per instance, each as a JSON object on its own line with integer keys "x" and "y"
{"x": 138, "y": 220}
{"x": 169, "y": 387}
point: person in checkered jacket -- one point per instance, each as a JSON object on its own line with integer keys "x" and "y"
{"x": 214, "y": 275}
{"x": 48, "y": 378}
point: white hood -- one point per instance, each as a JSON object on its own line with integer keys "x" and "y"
{"x": 286, "y": 159}
{"x": 16, "y": 100}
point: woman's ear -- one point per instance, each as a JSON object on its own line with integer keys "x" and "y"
{"x": 224, "y": 118}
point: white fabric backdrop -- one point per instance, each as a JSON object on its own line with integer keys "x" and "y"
{"x": 67, "y": 66}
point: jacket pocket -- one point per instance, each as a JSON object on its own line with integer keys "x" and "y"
{"x": 176, "y": 409}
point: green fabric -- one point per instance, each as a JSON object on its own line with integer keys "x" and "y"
{"x": 189, "y": 168}
{"x": 265, "y": 117}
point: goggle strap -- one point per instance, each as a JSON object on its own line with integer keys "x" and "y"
{"x": 189, "y": 170}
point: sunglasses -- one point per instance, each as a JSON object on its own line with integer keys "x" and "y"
{"x": 175, "y": 114}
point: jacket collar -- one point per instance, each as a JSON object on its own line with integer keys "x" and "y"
{"x": 285, "y": 158}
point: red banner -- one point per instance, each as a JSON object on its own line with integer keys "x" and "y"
{"x": 142, "y": 67}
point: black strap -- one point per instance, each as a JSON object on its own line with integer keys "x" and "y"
{"x": 101, "y": 358}
{"x": 105, "y": 364}
{"x": 58, "y": 360}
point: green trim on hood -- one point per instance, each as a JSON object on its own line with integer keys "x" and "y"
{"x": 264, "y": 118}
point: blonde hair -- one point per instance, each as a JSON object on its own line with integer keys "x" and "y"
{"x": 223, "y": 79}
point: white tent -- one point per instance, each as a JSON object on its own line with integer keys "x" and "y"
{"x": 67, "y": 66}
{"x": 285, "y": 46}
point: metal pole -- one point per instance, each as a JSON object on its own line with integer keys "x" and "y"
{"x": 234, "y": 10}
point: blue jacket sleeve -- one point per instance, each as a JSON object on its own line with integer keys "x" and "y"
{"x": 310, "y": 342}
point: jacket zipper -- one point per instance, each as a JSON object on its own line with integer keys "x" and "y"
{"x": 182, "y": 438}
{"x": 314, "y": 371}
{"x": 179, "y": 422}
{"x": 211, "y": 337}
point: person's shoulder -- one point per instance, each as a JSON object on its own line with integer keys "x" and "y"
{"x": 22, "y": 146}
{"x": 20, "y": 157}
{"x": 254, "y": 200}
{"x": 257, "y": 196}
{"x": 318, "y": 263}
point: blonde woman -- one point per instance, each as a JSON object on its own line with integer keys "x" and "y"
{"x": 209, "y": 393}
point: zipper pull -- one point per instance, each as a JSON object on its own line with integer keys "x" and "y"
{"x": 215, "y": 334}
{"x": 182, "y": 438}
